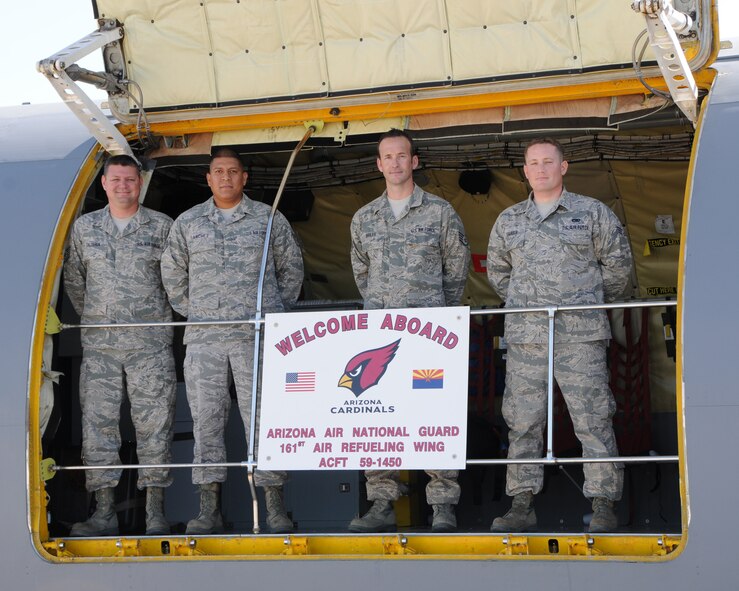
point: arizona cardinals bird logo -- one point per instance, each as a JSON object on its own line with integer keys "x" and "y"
{"x": 365, "y": 369}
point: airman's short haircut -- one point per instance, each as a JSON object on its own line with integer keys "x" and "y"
{"x": 396, "y": 133}
{"x": 121, "y": 160}
{"x": 547, "y": 141}
{"x": 226, "y": 153}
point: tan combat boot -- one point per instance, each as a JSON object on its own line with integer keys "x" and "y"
{"x": 277, "y": 520}
{"x": 380, "y": 517}
{"x": 209, "y": 520}
{"x": 520, "y": 517}
{"x": 604, "y": 517}
{"x": 103, "y": 522}
{"x": 444, "y": 519}
{"x": 156, "y": 523}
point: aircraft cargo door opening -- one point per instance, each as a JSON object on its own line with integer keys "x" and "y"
{"x": 640, "y": 174}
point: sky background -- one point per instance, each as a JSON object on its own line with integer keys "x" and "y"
{"x": 35, "y": 29}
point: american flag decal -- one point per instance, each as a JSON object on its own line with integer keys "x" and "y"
{"x": 300, "y": 381}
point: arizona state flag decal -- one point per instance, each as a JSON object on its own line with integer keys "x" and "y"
{"x": 428, "y": 379}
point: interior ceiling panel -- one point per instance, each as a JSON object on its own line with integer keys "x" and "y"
{"x": 223, "y": 52}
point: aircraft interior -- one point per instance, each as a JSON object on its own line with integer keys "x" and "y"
{"x": 634, "y": 157}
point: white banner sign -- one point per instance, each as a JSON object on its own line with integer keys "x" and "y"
{"x": 374, "y": 389}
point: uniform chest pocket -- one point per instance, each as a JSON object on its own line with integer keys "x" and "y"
{"x": 251, "y": 240}
{"x": 423, "y": 241}
{"x": 374, "y": 248}
{"x": 201, "y": 242}
{"x": 146, "y": 251}
{"x": 575, "y": 231}
{"x": 423, "y": 261}
{"x": 515, "y": 238}
{"x": 96, "y": 254}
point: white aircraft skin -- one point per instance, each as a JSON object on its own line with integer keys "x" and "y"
{"x": 41, "y": 151}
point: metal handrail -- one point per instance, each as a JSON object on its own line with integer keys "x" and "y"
{"x": 575, "y": 307}
{"x": 99, "y": 467}
{"x": 65, "y": 326}
{"x": 551, "y": 312}
{"x": 473, "y": 312}
{"x": 549, "y": 459}
{"x": 475, "y": 462}
{"x": 555, "y": 461}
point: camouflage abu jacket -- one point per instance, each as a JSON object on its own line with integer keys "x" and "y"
{"x": 114, "y": 277}
{"x": 578, "y": 254}
{"x": 210, "y": 268}
{"x": 419, "y": 260}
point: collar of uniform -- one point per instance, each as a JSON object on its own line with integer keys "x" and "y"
{"x": 564, "y": 200}
{"x": 383, "y": 205}
{"x": 140, "y": 218}
{"x": 105, "y": 221}
{"x": 244, "y": 207}
{"x": 531, "y": 210}
{"x": 416, "y": 197}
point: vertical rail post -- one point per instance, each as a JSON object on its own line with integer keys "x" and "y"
{"x": 258, "y": 323}
{"x": 550, "y": 383}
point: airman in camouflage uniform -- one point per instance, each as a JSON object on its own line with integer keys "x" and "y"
{"x": 416, "y": 257}
{"x": 210, "y": 269}
{"x": 112, "y": 276}
{"x": 558, "y": 248}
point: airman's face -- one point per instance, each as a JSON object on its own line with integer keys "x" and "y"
{"x": 226, "y": 178}
{"x": 395, "y": 162}
{"x": 544, "y": 168}
{"x": 122, "y": 185}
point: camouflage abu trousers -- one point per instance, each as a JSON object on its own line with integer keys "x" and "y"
{"x": 150, "y": 381}
{"x": 207, "y": 381}
{"x": 385, "y": 485}
{"x": 581, "y": 372}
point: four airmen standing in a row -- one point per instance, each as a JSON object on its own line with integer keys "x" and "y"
{"x": 127, "y": 263}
